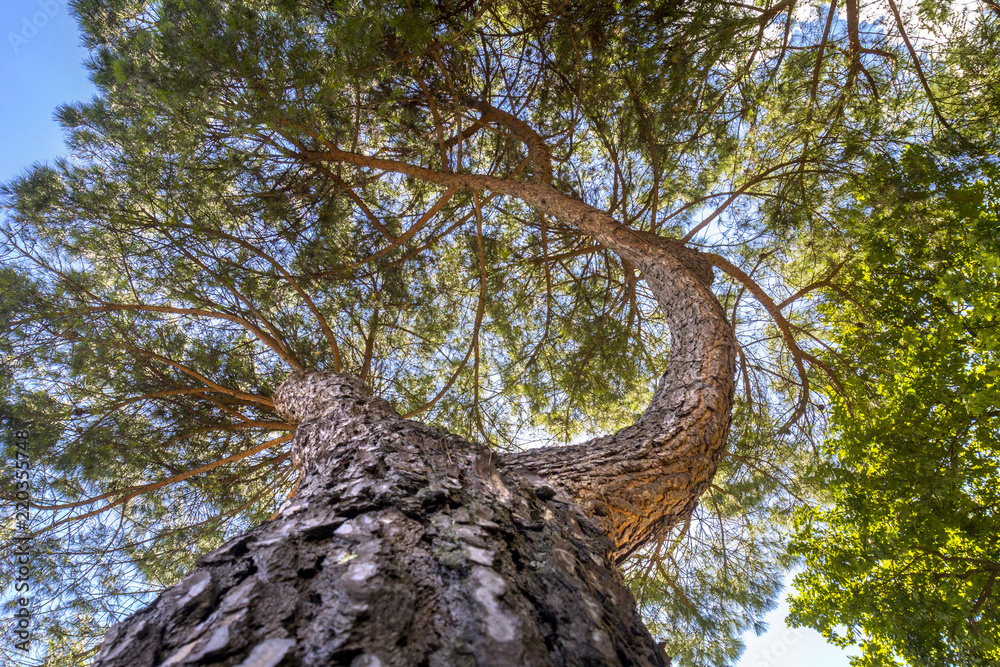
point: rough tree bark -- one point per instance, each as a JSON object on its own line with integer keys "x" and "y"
{"x": 404, "y": 546}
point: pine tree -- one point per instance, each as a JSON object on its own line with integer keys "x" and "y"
{"x": 501, "y": 219}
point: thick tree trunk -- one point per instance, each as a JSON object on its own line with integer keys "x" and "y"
{"x": 641, "y": 481}
{"x": 404, "y": 546}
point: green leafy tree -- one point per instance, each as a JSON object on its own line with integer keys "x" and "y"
{"x": 904, "y": 558}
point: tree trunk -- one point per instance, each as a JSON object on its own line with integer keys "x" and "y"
{"x": 406, "y": 545}
{"x": 643, "y": 480}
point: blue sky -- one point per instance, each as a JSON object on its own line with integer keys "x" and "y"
{"x": 41, "y": 67}
{"x": 782, "y": 646}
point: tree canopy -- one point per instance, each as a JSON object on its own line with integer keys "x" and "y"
{"x": 266, "y": 186}
{"x": 903, "y": 557}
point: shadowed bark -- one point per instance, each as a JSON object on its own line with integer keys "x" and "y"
{"x": 404, "y": 546}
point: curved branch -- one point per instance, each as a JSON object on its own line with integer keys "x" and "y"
{"x": 153, "y": 486}
{"x": 733, "y": 196}
{"x": 538, "y": 152}
{"x": 915, "y": 57}
{"x": 399, "y": 241}
{"x": 643, "y": 480}
{"x": 815, "y": 285}
{"x": 310, "y": 304}
{"x": 270, "y": 342}
{"x": 251, "y": 398}
{"x": 480, "y": 310}
{"x": 799, "y": 356}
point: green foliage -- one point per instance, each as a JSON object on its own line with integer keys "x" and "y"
{"x": 904, "y": 557}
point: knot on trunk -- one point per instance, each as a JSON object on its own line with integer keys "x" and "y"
{"x": 692, "y": 259}
{"x": 308, "y": 395}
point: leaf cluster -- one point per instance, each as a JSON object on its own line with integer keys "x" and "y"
{"x": 903, "y": 557}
